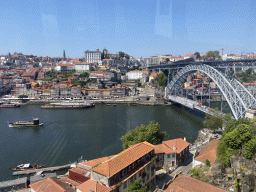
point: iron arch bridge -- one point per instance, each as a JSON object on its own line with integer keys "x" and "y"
{"x": 238, "y": 97}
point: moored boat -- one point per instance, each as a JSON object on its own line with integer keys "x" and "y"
{"x": 68, "y": 105}
{"x": 33, "y": 123}
{"x": 27, "y": 166}
{"x": 9, "y": 105}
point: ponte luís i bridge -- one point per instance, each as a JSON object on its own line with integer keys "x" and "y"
{"x": 237, "y": 96}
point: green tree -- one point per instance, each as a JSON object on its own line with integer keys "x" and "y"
{"x": 247, "y": 76}
{"x": 138, "y": 83}
{"x": 226, "y": 119}
{"x": 162, "y": 78}
{"x": 167, "y": 60}
{"x": 213, "y": 121}
{"x": 150, "y": 133}
{"x": 249, "y": 71}
{"x": 136, "y": 186}
{"x": 212, "y": 54}
{"x": 207, "y": 162}
{"x": 127, "y": 56}
{"x": 22, "y": 96}
{"x": 234, "y": 123}
{"x": 81, "y": 83}
{"x": 121, "y": 54}
{"x": 236, "y": 139}
{"x": 198, "y": 56}
{"x": 85, "y": 74}
{"x": 116, "y": 79}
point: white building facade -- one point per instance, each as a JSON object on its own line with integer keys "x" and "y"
{"x": 135, "y": 75}
{"x": 92, "y": 56}
{"x": 82, "y": 66}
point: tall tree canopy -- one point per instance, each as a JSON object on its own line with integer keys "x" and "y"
{"x": 150, "y": 133}
{"x": 198, "y": 56}
{"x": 162, "y": 78}
{"x": 234, "y": 140}
{"x": 214, "y": 121}
{"x": 212, "y": 54}
{"x": 136, "y": 186}
{"x": 121, "y": 54}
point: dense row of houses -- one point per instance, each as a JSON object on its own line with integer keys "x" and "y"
{"x": 66, "y": 90}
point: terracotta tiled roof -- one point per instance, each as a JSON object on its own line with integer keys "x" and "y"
{"x": 94, "y": 162}
{"x": 208, "y": 152}
{"x": 82, "y": 63}
{"x": 51, "y": 184}
{"x": 185, "y": 183}
{"x": 94, "y": 186}
{"x": 167, "y": 146}
{"x": 66, "y": 179}
{"x": 162, "y": 148}
{"x": 79, "y": 171}
{"x": 124, "y": 159}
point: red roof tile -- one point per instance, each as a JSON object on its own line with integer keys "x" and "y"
{"x": 208, "y": 152}
{"x": 94, "y": 186}
{"x": 124, "y": 159}
{"x": 185, "y": 183}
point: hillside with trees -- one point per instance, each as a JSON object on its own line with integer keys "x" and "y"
{"x": 247, "y": 76}
{"x": 235, "y": 165}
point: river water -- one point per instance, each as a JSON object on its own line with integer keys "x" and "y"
{"x": 91, "y": 133}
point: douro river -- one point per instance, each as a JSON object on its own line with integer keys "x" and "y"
{"x": 92, "y": 133}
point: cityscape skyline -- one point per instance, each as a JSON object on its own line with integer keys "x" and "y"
{"x": 139, "y": 29}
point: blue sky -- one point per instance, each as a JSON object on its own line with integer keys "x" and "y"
{"x": 139, "y": 28}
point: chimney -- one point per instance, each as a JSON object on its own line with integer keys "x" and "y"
{"x": 185, "y": 139}
{"x": 174, "y": 148}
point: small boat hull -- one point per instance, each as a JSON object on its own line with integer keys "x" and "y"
{"x": 35, "y": 123}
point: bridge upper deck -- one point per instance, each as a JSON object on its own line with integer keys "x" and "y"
{"x": 216, "y": 64}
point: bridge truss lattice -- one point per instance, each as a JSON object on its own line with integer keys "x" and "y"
{"x": 238, "y": 97}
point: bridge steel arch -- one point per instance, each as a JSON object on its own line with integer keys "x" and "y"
{"x": 238, "y": 97}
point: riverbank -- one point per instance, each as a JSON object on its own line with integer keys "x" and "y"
{"x": 128, "y": 100}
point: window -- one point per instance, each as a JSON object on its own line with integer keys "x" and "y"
{"x": 152, "y": 172}
{"x": 168, "y": 156}
{"x": 148, "y": 167}
{"x": 147, "y": 176}
{"x": 173, "y": 155}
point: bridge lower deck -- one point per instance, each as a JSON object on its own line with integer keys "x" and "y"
{"x": 189, "y": 103}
